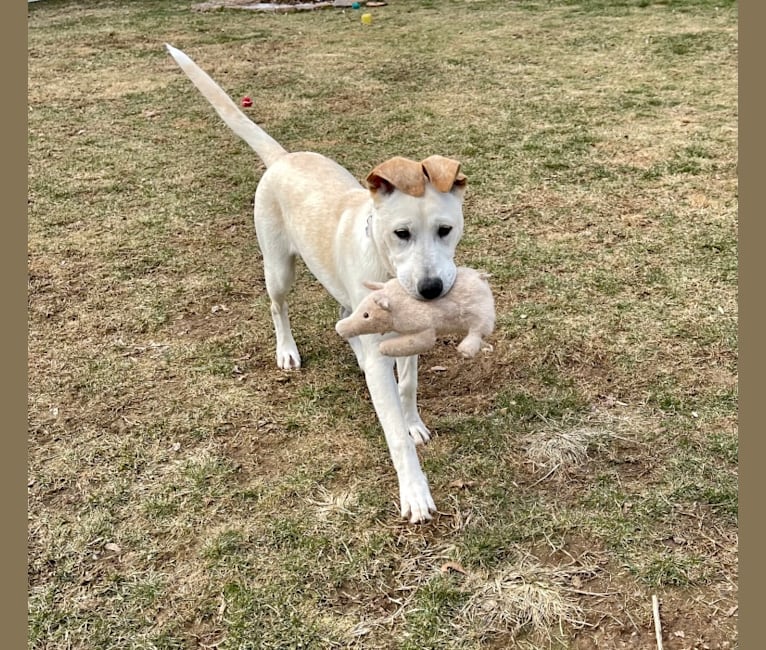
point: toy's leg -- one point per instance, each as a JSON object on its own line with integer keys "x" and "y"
{"x": 470, "y": 345}
{"x": 407, "y": 371}
{"x": 414, "y": 494}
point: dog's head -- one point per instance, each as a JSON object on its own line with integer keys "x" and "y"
{"x": 418, "y": 221}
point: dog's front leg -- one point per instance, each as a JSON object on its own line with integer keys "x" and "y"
{"x": 407, "y": 371}
{"x": 414, "y": 494}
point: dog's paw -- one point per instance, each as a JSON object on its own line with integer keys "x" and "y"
{"x": 417, "y": 502}
{"x": 418, "y": 431}
{"x": 288, "y": 358}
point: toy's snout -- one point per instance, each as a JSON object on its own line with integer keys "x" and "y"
{"x": 344, "y": 328}
{"x": 372, "y": 316}
{"x": 356, "y": 324}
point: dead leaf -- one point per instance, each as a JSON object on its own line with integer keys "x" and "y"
{"x": 453, "y": 566}
{"x": 460, "y": 484}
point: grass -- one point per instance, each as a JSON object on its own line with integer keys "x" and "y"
{"x": 184, "y": 493}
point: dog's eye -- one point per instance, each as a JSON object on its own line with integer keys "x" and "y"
{"x": 365, "y": 315}
{"x": 402, "y": 234}
{"x": 444, "y": 231}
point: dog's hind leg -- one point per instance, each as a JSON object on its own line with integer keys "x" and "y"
{"x": 407, "y": 372}
{"x": 279, "y": 271}
{"x": 279, "y": 279}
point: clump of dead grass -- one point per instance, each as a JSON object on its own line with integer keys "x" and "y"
{"x": 329, "y": 504}
{"x": 529, "y": 601}
{"x": 529, "y": 598}
{"x": 559, "y": 450}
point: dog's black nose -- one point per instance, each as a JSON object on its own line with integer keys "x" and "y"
{"x": 430, "y": 288}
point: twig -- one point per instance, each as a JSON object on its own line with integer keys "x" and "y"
{"x": 540, "y": 480}
{"x": 657, "y": 624}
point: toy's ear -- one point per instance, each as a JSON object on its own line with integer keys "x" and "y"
{"x": 397, "y": 173}
{"x": 383, "y": 302}
{"x": 444, "y": 173}
{"x": 375, "y": 286}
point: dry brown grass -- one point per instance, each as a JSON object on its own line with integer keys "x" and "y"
{"x": 183, "y": 493}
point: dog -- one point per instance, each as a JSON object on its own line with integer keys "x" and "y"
{"x": 406, "y": 224}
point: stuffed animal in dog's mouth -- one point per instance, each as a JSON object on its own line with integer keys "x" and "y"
{"x": 468, "y": 308}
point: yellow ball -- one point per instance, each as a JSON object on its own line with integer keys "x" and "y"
{"x": 367, "y": 19}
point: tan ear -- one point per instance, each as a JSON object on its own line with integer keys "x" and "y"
{"x": 444, "y": 173}
{"x": 398, "y": 173}
{"x": 373, "y": 285}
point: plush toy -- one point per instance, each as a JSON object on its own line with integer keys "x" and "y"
{"x": 468, "y": 308}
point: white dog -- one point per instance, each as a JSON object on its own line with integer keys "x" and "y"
{"x": 405, "y": 225}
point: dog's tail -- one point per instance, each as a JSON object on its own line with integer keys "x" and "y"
{"x": 267, "y": 148}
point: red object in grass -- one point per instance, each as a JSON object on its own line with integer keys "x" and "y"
{"x": 247, "y": 102}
